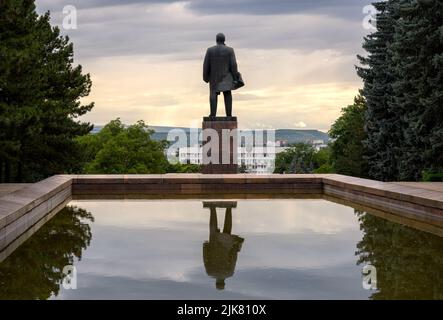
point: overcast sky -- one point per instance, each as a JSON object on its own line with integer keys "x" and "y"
{"x": 145, "y": 57}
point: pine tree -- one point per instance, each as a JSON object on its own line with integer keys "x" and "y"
{"x": 381, "y": 122}
{"x": 39, "y": 96}
{"x": 403, "y": 87}
{"x": 417, "y": 53}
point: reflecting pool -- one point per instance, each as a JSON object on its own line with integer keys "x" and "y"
{"x": 223, "y": 249}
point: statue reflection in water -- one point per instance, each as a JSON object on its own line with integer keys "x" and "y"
{"x": 220, "y": 252}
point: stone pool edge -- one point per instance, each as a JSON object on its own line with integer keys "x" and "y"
{"x": 22, "y": 209}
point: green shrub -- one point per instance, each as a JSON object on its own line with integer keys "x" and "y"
{"x": 432, "y": 177}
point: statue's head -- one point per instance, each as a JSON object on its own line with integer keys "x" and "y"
{"x": 220, "y": 38}
{"x": 220, "y": 284}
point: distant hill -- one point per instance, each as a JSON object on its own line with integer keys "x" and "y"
{"x": 296, "y": 136}
{"x": 288, "y": 135}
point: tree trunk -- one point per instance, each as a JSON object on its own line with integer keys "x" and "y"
{"x": 19, "y": 171}
{"x": 7, "y": 171}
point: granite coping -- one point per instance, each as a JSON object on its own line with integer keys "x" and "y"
{"x": 434, "y": 186}
{"x": 188, "y": 178}
{"x": 411, "y": 194}
{"x": 6, "y": 188}
{"x": 399, "y": 192}
{"x": 18, "y": 203}
{"x": 396, "y": 218}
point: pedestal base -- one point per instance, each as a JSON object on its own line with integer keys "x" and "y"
{"x": 219, "y": 145}
{"x": 215, "y": 119}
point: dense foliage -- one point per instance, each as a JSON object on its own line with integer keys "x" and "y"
{"x": 40, "y": 93}
{"x": 35, "y": 270}
{"x": 409, "y": 262}
{"x": 403, "y": 88}
{"x": 303, "y": 158}
{"x": 347, "y": 132}
{"x": 120, "y": 149}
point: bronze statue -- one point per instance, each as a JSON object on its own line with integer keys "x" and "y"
{"x": 220, "y": 252}
{"x": 220, "y": 71}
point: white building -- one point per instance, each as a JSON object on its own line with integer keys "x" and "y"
{"x": 319, "y": 144}
{"x": 259, "y": 160}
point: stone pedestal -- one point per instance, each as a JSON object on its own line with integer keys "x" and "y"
{"x": 219, "y": 145}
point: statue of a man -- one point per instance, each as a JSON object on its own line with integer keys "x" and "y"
{"x": 220, "y": 70}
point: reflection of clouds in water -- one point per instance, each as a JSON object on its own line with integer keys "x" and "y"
{"x": 294, "y": 216}
{"x": 251, "y": 216}
{"x": 341, "y": 282}
{"x": 148, "y": 214}
{"x": 143, "y": 254}
{"x": 98, "y": 287}
{"x": 332, "y": 282}
{"x": 159, "y": 243}
{"x": 304, "y": 251}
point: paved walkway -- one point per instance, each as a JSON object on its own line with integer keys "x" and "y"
{"x": 6, "y": 188}
{"x": 434, "y": 186}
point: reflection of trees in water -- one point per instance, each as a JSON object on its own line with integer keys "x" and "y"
{"x": 409, "y": 262}
{"x": 34, "y": 270}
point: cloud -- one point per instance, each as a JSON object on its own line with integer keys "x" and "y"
{"x": 181, "y": 31}
{"x": 296, "y": 57}
{"x": 312, "y": 89}
{"x": 300, "y": 124}
{"x": 341, "y": 8}
{"x": 347, "y": 9}
{"x": 56, "y": 5}
{"x": 248, "y": 97}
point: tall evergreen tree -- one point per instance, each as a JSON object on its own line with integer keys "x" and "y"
{"x": 39, "y": 96}
{"x": 417, "y": 54}
{"x": 381, "y": 123}
{"x": 403, "y": 87}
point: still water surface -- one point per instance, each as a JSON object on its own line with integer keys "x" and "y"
{"x": 245, "y": 249}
